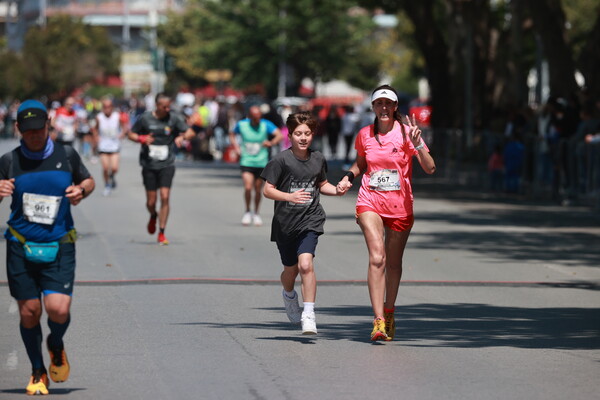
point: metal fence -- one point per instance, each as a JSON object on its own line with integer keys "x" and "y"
{"x": 567, "y": 171}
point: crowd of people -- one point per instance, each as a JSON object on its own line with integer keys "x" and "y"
{"x": 211, "y": 118}
{"x": 554, "y": 150}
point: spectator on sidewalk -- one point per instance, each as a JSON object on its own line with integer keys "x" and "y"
{"x": 333, "y": 125}
{"x": 349, "y": 127}
{"x": 513, "y": 164}
{"x": 496, "y": 169}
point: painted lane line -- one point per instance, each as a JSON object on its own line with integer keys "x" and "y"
{"x": 13, "y": 307}
{"x": 587, "y": 285}
{"x": 12, "y": 361}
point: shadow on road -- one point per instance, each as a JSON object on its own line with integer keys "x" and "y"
{"x": 576, "y": 249}
{"x": 53, "y": 391}
{"x": 515, "y": 216}
{"x": 452, "y": 325}
{"x": 481, "y": 325}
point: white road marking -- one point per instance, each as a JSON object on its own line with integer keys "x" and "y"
{"x": 12, "y": 361}
{"x": 13, "y": 308}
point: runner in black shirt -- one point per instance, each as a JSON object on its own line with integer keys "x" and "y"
{"x": 159, "y": 132}
{"x": 294, "y": 179}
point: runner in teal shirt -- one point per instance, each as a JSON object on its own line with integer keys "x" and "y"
{"x": 257, "y": 135}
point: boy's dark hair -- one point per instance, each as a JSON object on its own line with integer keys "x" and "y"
{"x": 299, "y": 118}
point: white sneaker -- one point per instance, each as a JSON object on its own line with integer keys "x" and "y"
{"x": 247, "y": 218}
{"x": 106, "y": 191}
{"x": 292, "y": 308}
{"x": 309, "y": 325}
{"x": 257, "y": 220}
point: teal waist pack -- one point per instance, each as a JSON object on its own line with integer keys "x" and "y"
{"x": 41, "y": 253}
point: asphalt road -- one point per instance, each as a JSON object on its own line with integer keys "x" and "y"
{"x": 499, "y": 300}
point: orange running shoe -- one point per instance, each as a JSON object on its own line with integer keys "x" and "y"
{"x": 390, "y": 325}
{"x": 162, "y": 240}
{"x": 38, "y": 383}
{"x": 59, "y": 365}
{"x": 378, "y": 332}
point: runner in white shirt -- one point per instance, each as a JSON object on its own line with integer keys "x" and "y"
{"x": 108, "y": 133}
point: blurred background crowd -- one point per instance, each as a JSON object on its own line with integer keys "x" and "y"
{"x": 506, "y": 92}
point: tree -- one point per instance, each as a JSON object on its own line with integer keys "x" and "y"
{"x": 550, "y": 23}
{"x": 59, "y": 58}
{"x": 493, "y": 46}
{"x": 314, "y": 39}
{"x": 13, "y": 73}
{"x": 583, "y": 32}
{"x": 428, "y": 22}
{"x": 589, "y": 58}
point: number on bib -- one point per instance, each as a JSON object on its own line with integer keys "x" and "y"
{"x": 385, "y": 179}
{"x": 158, "y": 153}
{"x": 41, "y": 209}
{"x": 252, "y": 148}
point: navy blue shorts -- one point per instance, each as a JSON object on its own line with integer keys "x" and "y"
{"x": 28, "y": 280}
{"x": 290, "y": 250}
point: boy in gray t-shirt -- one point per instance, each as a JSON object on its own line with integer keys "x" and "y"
{"x": 294, "y": 179}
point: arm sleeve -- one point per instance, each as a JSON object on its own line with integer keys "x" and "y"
{"x": 138, "y": 127}
{"x": 5, "y": 164}
{"x": 270, "y": 126}
{"x": 359, "y": 145}
{"x": 272, "y": 172}
{"x": 79, "y": 171}
{"x": 323, "y": 173}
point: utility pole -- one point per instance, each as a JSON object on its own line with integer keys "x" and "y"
{"x": 282, "y": 80}
{"x": 157, "y": 83}
{"x": 126, "y": 36}
{"x": 42, "y": 17}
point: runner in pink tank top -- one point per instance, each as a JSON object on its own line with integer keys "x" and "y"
{"x": 384, "y": 208}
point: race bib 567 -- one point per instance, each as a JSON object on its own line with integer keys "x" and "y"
{"x": 385, "y": 179}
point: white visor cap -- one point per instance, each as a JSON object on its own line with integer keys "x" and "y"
{"x": 385, "y": 93}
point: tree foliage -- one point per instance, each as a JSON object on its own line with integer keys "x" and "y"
{"x": 59, "y": 58}
{"x": 484, "y": 50}
{"x": 13, "y": 75}
{"x": 315, "y": 39}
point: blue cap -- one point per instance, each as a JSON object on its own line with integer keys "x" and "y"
{"x": 31, "y": 115}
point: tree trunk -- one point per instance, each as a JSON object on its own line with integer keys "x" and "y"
{"x": 549, "y": 22}
{"x": 435, "y": 51}
{"x": 589, "y": 61}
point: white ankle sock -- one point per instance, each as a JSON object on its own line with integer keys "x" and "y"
{"x": 309, "y": 307}
{"x": 290, "y": 295}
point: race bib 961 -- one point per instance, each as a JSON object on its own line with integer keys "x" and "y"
{"x": 41, "y": 209}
